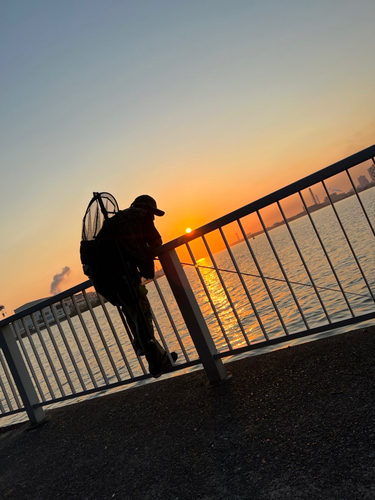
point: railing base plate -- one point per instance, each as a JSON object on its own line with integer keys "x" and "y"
{"x": 38, "y": 424}
{"x": 212, "y": 385}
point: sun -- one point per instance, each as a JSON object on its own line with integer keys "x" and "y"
{"x": 188, "y": 230}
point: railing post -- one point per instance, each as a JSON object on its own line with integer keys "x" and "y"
{"x": 20, "y": 375}
{"x": 193, "y": 316}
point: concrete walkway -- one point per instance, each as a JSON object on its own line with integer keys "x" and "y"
{"x": 298, "y": 423}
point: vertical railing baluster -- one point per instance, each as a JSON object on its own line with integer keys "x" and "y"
{"x": 2, "y": 385}
{"x": 2, "y": 409}
{"x": 9, "y": 380}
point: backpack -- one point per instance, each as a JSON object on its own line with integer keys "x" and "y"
{"x": 101, "y": 207}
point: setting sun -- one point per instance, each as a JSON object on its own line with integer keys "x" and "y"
{"x": 188, "y": 230}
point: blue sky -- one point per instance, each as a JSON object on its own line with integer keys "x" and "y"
{"x": 191, "y": 102}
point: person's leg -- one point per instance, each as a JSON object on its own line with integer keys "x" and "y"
{"x": 130, "y": 309}
{"x": 131, "y": 319}
{"x": 146, "y": 309}
{"x": 139, "y": 318}
{"x": 164, "y": 362}
{"x": 137, "y": 310}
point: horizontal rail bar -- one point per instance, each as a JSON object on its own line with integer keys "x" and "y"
{"x": 114, "y": 385}
{"x": 297, "y": 335}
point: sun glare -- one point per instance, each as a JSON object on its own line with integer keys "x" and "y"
{"x": 188, "y": 230}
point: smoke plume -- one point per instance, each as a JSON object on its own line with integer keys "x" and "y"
{"x": 57, "y": 279}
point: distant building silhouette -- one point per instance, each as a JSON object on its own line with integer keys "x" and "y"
{"x": 363, "y": 181}
{"x": 371, "y": 171}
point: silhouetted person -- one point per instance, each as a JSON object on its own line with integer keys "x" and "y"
{"x": 124, "y": 255}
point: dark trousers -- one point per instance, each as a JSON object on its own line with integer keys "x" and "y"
{"x": 139, "y": 318}
{"x": 130, "y": 295}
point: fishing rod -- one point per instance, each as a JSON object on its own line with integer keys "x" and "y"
{"x": 268, "y": 278}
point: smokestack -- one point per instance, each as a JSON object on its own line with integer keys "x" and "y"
{"x": 312, "y": 196}
{"x": 57, "y": 279}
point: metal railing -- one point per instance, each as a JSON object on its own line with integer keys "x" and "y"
{"x": 297, "y": 262}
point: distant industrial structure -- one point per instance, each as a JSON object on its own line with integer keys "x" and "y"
{"x": 45, "y": 317}
{"x": 314, "y": 198}
{"x": 39, "y": 320}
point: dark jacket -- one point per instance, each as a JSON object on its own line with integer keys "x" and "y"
{"x": 131, "y": 231}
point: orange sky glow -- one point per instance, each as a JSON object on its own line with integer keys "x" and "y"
{"x": 204, "y": 110}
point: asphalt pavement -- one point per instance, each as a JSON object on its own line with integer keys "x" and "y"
{"x": 297, "y": 423}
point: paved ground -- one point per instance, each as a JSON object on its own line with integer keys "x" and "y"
{"x": 298, "y": 423}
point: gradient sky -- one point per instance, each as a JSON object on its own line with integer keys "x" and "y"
{"x": 204, "y": 105}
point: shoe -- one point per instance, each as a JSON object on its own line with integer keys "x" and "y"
{"x": 174, "y": 356}
{"x": 158, "y": 372}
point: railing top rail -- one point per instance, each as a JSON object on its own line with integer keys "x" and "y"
{"x": 306, "y": 182}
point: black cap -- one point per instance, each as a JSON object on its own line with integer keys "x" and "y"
{"x": 145, "y": 201}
